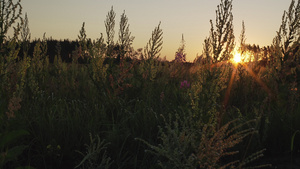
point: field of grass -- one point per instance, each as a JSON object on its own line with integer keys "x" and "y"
{"x": 109, "y": 106}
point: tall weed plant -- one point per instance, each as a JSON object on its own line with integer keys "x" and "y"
{"x": 210, "y": 114}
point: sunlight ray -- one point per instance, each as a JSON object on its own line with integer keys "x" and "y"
{"x": 257, "y": 79}
{"x": 228, "y": 90}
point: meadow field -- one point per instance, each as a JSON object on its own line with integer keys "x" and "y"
{"x": 102, "y": 104}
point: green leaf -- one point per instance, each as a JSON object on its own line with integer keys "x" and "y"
{"x": 26, "y": 167}
{"x": 292, "y": 140}
{"x": 84, "y": 159}
{"x": 14, "y": 152}
{"x": 9, "y": 137}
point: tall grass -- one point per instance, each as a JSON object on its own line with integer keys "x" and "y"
{"x": 115, "y": 107}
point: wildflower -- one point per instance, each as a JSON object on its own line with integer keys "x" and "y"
{"x": 13, "y": 106}
{"x": 111, "y": 79}
{"x": 180, "y": 57}
{"x": 10, "y": 114}
{"x": 3, "y": 155}
{"x": 185, "y": 84}
{"x": 162, "y": 96}
{"x": 294, "y": 89}
{"x": 49, "y": 146}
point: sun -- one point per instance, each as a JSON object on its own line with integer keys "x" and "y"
{"x": 237, "y": 58}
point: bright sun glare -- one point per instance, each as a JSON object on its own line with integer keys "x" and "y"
{"x": 237, "y": 58}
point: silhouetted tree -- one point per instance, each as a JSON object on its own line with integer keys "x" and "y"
{"x": 180, "y": 55}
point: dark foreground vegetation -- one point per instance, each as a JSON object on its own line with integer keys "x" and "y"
{"x": 101, "y": 104}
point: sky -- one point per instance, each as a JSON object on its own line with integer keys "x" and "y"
{"x": 62, "y": 19}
